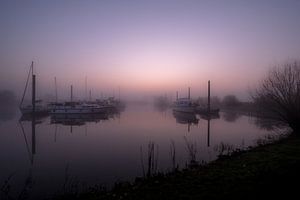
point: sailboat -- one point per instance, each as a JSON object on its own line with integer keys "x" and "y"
{"x": 184, "y": 104}
{"x": 36, "y": 106}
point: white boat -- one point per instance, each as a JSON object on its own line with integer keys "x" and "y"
{"x": 77, "y": 108}
{"x": 184, "y": 105}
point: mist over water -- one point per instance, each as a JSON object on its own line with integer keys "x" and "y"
{"x": 144, "y": 54}
{"x": 93, "y": 148}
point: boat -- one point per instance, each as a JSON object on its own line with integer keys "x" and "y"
{"x": 36, "y": 107}
{"x": 184, "y": 105}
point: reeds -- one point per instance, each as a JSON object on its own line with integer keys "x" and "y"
{"x": 173, "y": 156}
{"x": 192, "y": 150}
{"x": 152, "y": 160}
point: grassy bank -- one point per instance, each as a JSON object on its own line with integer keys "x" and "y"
{"x": 266, "y": 171}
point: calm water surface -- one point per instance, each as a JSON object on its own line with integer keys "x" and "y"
{"x": 107, "y": 148}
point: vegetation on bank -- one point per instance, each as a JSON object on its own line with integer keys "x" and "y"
{"x": 270, "y": 170}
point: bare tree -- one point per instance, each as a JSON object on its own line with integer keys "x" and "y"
{"x": 279, "y": 94}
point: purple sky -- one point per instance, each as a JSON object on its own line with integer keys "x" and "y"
{"x": 146, "y": 47}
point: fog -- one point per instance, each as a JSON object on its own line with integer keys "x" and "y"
{"x": 144, "y": 48}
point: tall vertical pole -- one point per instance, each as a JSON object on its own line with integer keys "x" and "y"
{"x": 90, "y": 99}
{"x": 119, "y": 93}
{"x": 33, "y": 94}
{"x": 33, "y": 89}
{"x": 71, "y": 93}
{"x": 85, "y": 88}
{"x": 189, "y": 93}
{"x": 55, "y": 85}
{"x": 176, "y": 95}
{"x": 208, "y": 98}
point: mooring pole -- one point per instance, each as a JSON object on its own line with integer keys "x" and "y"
{"x": 176, "y": 95}
{"x": 208, "y": 98}
{"x": 189, "y": 93}
{"x": 71, "y": 93}
{"x": 90, "y": 99}
{"x": 55, "y": 89}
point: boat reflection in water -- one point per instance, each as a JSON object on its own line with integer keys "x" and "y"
{"x": 34, "y": 119}
{"x": 82, "y": 119}
{"x": 78, "y": 119}
{"x": 186, "y": 118}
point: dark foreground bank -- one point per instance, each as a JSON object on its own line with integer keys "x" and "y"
{"x": 266, "y": 171}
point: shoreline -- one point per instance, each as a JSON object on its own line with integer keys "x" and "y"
{"x": 268, "y": 170}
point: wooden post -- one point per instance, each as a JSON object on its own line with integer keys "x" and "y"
{"x": 71, "y": 93}
{"x": 90, "y": 99}
{"x": 189, "y": 93}
{"x": 55, "y": 85}
{"x": 176, "y": 95}
{"x": 85, "y": 91}
{"x": 208, "y": 98}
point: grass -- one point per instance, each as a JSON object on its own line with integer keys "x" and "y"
{"x": 266, "y": 171}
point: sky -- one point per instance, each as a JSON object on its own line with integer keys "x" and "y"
{"x": 145, "y": 47}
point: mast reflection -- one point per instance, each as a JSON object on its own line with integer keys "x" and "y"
{"x": 34, "y": 120}
{"x": 209, "y": 117}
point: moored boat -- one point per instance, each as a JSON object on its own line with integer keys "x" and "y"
{"x": 184, "y": 105}
{"x": 36, "y": 107}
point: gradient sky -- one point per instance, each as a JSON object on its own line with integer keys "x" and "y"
{"x": 146, "y": 47}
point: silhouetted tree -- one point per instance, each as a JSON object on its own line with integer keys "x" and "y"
{"x": 279, "y": 94}
{"x": 230, "y": 100}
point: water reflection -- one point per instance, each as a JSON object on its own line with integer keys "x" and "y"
{"x": 34, "y": 121}
{"x": 208, "y": 118}
{"x": 267, "y": 124}
{"x": 78, "y": 119}
{"x": 90, "y": 156}
{"x": 231, "y": 116}
{"x": 186, "y": 118}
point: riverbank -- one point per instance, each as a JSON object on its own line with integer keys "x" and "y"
{"x": 266, "y": 171}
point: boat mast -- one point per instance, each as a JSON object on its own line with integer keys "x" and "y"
{"x": 26, "y": 85}
{"x": 86, "y": 88}
{"x": 33, "y": 90}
